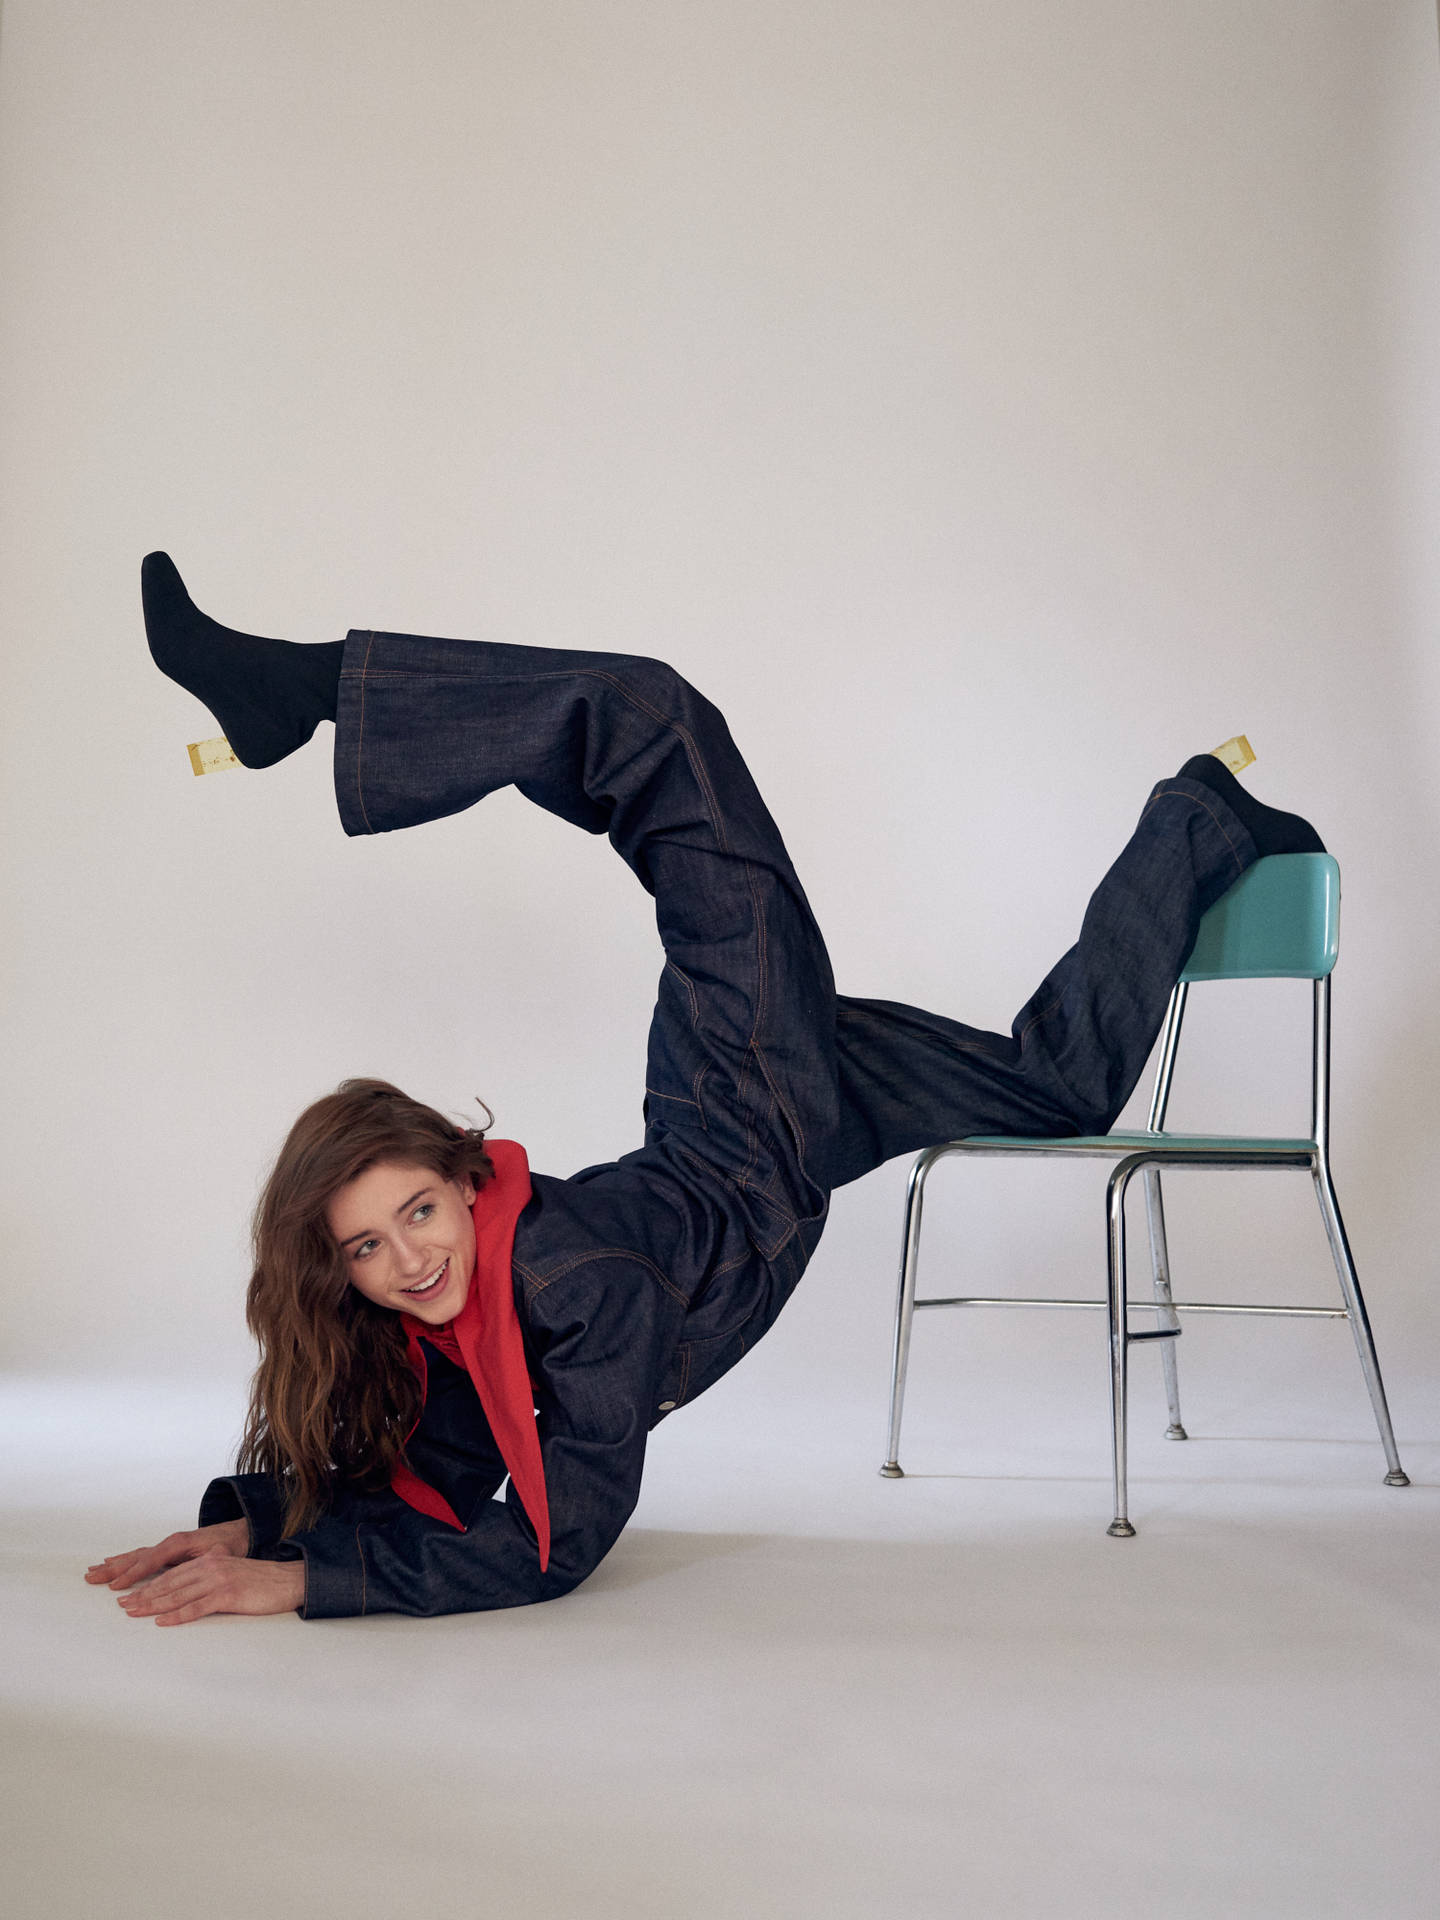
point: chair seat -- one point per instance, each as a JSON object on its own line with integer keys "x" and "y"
{"x": 1114, "y": 1145}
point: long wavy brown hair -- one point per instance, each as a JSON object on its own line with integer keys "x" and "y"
{"x": 334, "y": 1395}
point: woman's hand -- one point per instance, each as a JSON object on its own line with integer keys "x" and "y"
{"x": 143, "y": 1563}
{"x": 216, "y": 1582}
{"x": 204, "y": 1571}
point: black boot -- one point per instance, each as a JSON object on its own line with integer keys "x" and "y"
{"x": 1271, "y": 830}
{"x": 268, "y": 695}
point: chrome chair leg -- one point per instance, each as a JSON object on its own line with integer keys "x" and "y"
{"x": 1359, "y": 1319}
{"x": 905, "y": 1303}
{"x": 1164, "y": 1299}
{"x": 1120, "y": 1527}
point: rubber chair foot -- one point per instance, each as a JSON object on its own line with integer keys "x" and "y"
{"x": 1397, "y": 1479}
{"x": 1176, "y": 1432}
{"x": 892, "y": 1470}
{"x": 1120, "y": 1530}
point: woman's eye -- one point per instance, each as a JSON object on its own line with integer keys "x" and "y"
{"x": 423, "y": 1212}
{"x": 365, "y": 1248}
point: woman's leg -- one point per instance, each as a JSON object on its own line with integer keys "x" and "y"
{"x": 911, "y": 1079}
{"x": 741, "y": 1074}
{"x": 754, "y": 1068}
{"x": 741, "y": 1070}
{"x": 754, "y": 1065}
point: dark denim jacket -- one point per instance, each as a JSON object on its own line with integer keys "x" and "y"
{"x": 613, "y": 1345}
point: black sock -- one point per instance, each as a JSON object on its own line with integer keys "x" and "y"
{"x": 1271, "y": 830}
{"x": 268, "y": 695}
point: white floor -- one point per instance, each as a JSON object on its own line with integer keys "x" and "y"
{"x": 794, "y": 1689}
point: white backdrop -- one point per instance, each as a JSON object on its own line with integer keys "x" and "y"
{"x": 987, "y": 402}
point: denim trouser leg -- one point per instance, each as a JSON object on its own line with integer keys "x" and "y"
{"x": 910, "y": 1079}
{"x": 741, "y": 1066}
{"x": 754, "y": 1067}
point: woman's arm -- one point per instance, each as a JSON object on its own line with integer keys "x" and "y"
{"x": 604, "y": 1330}
{"x": 605, "y": 1327}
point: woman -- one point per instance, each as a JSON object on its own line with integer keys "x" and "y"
{"x": 431, "y": 1317}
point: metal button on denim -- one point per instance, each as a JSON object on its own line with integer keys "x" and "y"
{"x": 666, "y": 1406}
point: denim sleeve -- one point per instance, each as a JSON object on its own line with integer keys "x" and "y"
{"x": 255, "y": 1497}
{"x": 604, "y": 1333}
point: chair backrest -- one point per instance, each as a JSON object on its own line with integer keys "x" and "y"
{"x": 1280, "y": 921}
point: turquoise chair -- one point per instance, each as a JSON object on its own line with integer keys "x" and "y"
{"x": 1281, "y": 920}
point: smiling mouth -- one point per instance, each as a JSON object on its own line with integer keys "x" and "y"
{"x": 427, "y": 1286}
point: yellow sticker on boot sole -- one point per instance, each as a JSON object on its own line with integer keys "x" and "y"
{"x": 212, "y": 756}
{"x": 1236, "y": 754}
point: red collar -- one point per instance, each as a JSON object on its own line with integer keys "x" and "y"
{"x": 485, "y": 1338}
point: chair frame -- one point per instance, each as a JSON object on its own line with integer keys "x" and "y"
{"x": 1148, "y": 1153}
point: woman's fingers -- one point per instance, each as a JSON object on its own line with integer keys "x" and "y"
{"x": 120, "y": 1568}
{"x": 197, "y": 1610}
{"x": 128, "y": 1569}
{"x": 142, "y": 1563}
{"x": 138, "y": 1564}
{"x": 150, "y": 1602}
{"x": 103, "y": 1569}
{"x": 170, "y": 1586}
{"x": 217, "y": 1582}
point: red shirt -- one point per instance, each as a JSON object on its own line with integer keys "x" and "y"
{"x": 484, "y": 1338}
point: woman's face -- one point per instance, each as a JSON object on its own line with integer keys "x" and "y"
{"x": 407, "y": 1239}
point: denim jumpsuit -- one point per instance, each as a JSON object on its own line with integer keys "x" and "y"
{"x": 639, "y": 1282}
